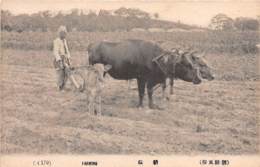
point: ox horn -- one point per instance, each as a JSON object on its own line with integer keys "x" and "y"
{"x": 187, "y": 48}
{"x": 184, "y": 53}
{"x": 174, "y": 50}
{"x": 202, "y": 55}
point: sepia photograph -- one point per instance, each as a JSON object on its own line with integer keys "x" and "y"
{"x": 130, "y": 77}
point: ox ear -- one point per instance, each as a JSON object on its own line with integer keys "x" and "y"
{"x": 184, "y": 53}
{"x": 181, "y": 52}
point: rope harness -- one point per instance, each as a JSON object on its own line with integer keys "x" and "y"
{"x": 163, "y": 67}
{"x": 157, "y": 61}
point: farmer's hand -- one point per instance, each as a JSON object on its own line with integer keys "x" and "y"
{"x": 69, "y": 62}
{"x": 72, "y": 68}
{"x": 60, "y": 64}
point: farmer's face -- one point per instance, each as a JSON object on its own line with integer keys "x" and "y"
{"x": 63, "y": 35}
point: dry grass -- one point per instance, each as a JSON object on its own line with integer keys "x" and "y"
{"x": 214, "y": 117}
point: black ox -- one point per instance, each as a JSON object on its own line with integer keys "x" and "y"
{"x": 145, "y": 61}
{"x": 199, "y": 62}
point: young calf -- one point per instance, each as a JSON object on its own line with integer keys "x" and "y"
{"x": 93, "y": 76}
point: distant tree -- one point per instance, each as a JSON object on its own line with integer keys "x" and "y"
{"x": 221, "y": 22}
{"x": 7, "y": 28}
{"x": 22, "y": 22}
{"x": 131, "y": 12}
{"x": 121, "y": 11}
{"x": 6, "y": 20}
{"x": 103, "y": 12}
{"x": 156, "y": 15}
{"x": 244, "y": 23}
{"x": 75, "y": 12}
{"x": 92, "y": 14}
{"x": 72, "y": 20}
{"x": 45, "y": 14}
{"x": 39, "y": 21}
{"x": 123, "y": 19}
{"x": 46, "y": 20}
{"x": 56, "y": 21}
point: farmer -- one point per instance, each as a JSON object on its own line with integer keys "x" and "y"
{"x": 62, "y": 62}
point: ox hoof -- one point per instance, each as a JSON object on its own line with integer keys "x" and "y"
{"x": 97, "y": 113}
{"x": 140, "y": 106}
{"x": 80, "y": 89}
{"x": 155, "y": 107}
{"x": 167, "y": 98}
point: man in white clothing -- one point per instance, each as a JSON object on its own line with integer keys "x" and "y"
{"x": 62, "y": 62}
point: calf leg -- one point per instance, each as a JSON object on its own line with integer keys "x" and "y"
{"x": 141, "y": 89}
{"x": 150, "y": 86}
{"x": 98, "y": 106}
{"x": 91, "y": 105}
{"x": 164, "y": 95}
{"x": 171, "y": 86}
{"x": 163, "y": 85}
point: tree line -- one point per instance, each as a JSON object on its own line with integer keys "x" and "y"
{"x": 122, "y": 19}
{"x": 224, "y": 22}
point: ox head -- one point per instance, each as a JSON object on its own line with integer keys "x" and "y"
{"x": 93, "y": 54}
{"x": 181, "y": 66}
{"x": 94, "y": 57}
{"x": 200, "y": 62}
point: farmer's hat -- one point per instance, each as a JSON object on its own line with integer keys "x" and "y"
{"x": 62, "y": 29}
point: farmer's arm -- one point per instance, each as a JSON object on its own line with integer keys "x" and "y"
{"x": 67, "y": 53}
{"x": 56, "y": 50}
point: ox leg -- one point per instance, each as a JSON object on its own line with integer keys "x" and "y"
{"x": 164, "y": 95}
{"x": 128, "y": 84}
{"x": 163, "y": 85}
{"x": 150, "y": 86}
{"x": 171, "y": 86}
{"x": 141, "y": 89}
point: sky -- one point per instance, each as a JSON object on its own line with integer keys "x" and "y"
{"x": 196, "y": 12}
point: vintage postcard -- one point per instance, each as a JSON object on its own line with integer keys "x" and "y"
{"x": 130, "y": 83}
